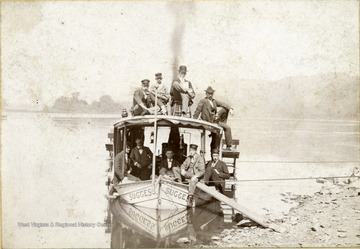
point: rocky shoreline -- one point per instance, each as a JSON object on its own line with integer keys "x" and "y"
{"x": 329, "y": 218}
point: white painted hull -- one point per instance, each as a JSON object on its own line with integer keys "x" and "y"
{"x": 165, "y": 195}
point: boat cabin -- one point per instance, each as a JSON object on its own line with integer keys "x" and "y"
{"x": 173, "y": 131}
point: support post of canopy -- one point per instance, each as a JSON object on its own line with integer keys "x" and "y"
{"x": 220, "y": 135}
{"x": 155, "y": 141}
{"x": 124, "y": 148}
{"x": 203, "y": 131}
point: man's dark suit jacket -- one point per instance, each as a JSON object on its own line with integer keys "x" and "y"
{"x": 164, "y": 164}
{"x": 222, "y": 168}
{"x": 144, "y": 160}
{"x": 206, "y": 111}
{"x": 176, "y": 90}
{"x": 139, "y": 97}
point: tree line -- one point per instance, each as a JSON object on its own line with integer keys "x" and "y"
{"x": 105, "y": 104}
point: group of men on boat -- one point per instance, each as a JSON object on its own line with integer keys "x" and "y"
{"x": 138, "y": 167}
{"x": 178, "y": 102}
{"x": 136, "y": 162}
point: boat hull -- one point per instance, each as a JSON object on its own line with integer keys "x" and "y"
{"x": 162, "y": 195}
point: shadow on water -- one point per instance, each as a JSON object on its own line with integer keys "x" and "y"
{"x": 137, "y": 227}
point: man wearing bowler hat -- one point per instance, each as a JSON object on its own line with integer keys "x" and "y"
{"x": 192, "y": 168}
{"x": 163, "y": 95}
{"x": 182, "y": 92}
{"x": 141, "y": 99}
{"x": 216, "y": 172}
{"x": 207, "y": 111}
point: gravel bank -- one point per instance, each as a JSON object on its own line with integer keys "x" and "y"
{"x": 329, "y": 218}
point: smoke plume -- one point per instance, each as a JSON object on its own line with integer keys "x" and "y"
{"x": 182, "y": 12}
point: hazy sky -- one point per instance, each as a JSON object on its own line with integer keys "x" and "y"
{"x": 51, "y": 49}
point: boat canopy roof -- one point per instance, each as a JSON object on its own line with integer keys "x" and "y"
{"x": 168, "y": 121}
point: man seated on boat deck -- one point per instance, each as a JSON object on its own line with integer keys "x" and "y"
{"x": 141, "y": 158}
{"x": 142, "y": 99}
{"x": 192, "y": 168}
{"x": 216, "y": 172}
{"x": 207, "y": 111}
{"x": 182, "y": 93}
{"x": 163, "y": 95}
{"x": 170, "y": 167}
{"x": 121, "y": 164}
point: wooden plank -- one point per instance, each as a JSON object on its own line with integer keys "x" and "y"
{"x": 257, "y": 218}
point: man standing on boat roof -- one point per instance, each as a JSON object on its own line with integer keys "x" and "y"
{"x": 170, "y": 167}
{"x": 216, "y": 172}
{"x": 141, "y": 99}
{"x": 141, "y": 158}
{"x": 162, "y": 93}
{"x": 182, "y": 94}
{"x": 207, "y": 111}
{"x": 192, "y": 168}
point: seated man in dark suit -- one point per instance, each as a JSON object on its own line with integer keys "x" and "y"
{"x": 216, "y": 172}
{"x": 142, "y": 100}
{"x": 141, "y": 158}
{"x": 170, "y": 167}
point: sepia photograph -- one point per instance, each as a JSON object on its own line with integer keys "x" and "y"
{"x": 180, "y": 124}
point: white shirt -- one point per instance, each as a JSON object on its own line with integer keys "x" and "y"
{"x": 211, "y": 103}
{"x": 213, "y": 164}
{"x": 170, "y": 163}
{"x": 184, "y": 84}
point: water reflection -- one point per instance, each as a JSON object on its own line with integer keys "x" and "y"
{"x": 137, "y": 227}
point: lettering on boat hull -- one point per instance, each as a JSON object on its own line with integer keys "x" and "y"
{"x": 167, "y": 196}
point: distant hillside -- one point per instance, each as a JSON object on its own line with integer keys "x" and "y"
{"x": 326, "y": 96}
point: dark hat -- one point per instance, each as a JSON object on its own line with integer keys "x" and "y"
{"x": 182, "y": 69}
{"x": 158, "y": 76}
{"x": 193, "y": 146}
{"x": 215, "y": 151}
{"x": 169, "y": 149}
{"x": 209, "y": 90}
{"x": 145, "y": 82}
